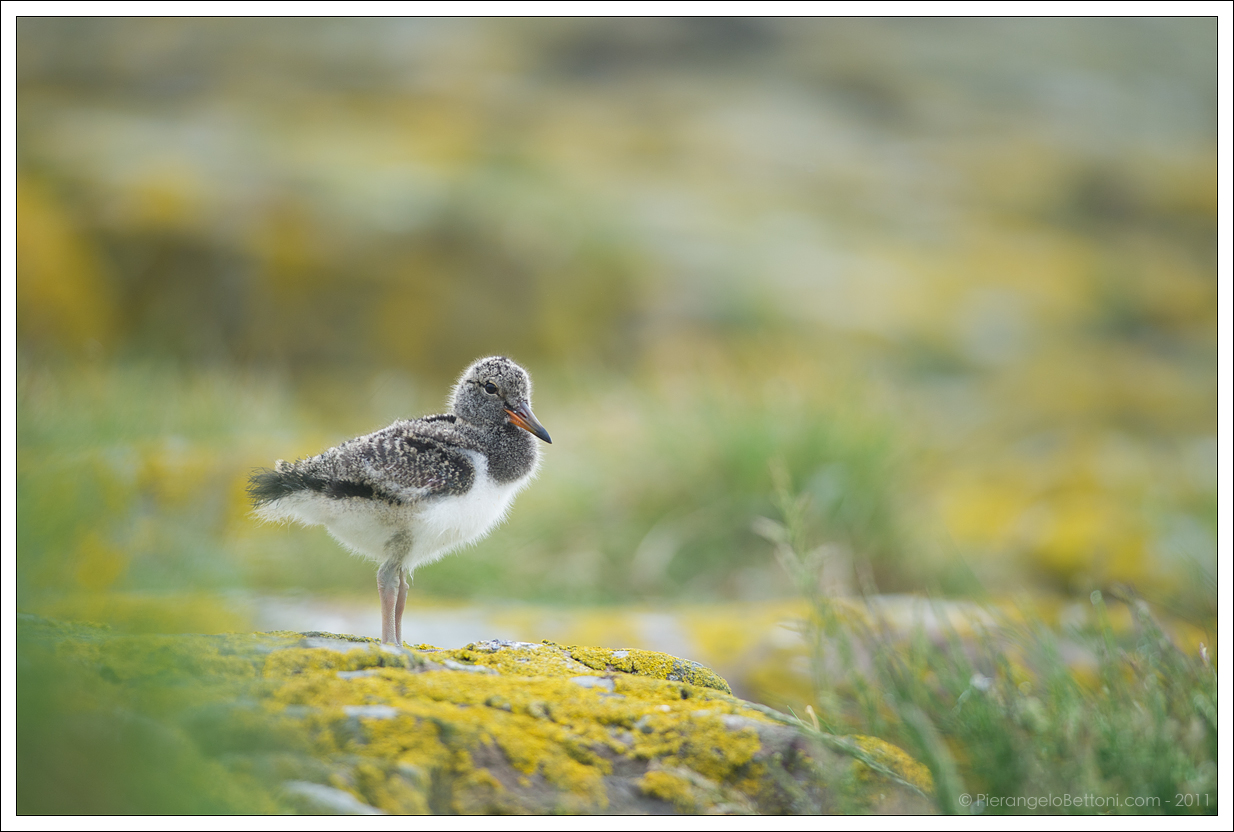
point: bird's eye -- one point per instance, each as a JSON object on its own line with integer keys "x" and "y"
{"x": 490, "y": 388}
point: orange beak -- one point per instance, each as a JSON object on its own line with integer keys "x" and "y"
{"x": 525, "y": 419}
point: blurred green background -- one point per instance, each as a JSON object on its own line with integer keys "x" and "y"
{"x": 955, "y": 277}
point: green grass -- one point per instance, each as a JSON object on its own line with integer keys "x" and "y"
{"x": 1013, "y": 716}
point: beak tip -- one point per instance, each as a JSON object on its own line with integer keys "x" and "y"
{"x": 525, "y": 419}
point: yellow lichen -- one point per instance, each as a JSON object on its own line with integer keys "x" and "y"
{"x": 649, "y": 663}
{"x": 714, "y": 751}
{"x": 295, "y": 660}
{"x": 671, "y": 788}
{"x": 401, "y": 796}
{"x": 544, "y": 722}
{"x": 477, "y": 790}
{"x": 893, "y": 758}
{"x": 484, "y": 728}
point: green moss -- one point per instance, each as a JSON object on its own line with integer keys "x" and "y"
{"x": 99, "y": 733}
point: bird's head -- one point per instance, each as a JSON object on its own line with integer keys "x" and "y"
{"x": 495, "y": 390}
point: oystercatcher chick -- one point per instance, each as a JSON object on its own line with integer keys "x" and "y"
{"x": 419, "y": 489}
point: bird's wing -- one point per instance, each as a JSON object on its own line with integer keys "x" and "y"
{"x": 405, "y": 463}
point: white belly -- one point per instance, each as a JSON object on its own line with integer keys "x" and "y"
{"x": 433, "y": 528}
{"x": 447, "y": 524}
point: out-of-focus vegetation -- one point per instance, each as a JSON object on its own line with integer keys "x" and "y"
{"x": 1010, "y": 714}
{"x": 955, "y": 277}
{"x": 139, "y": 735}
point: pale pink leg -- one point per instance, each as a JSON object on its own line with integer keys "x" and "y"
{"x": 403, "y": 585}
{"x": 389, "y": 579}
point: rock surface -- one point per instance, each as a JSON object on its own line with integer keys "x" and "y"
{"x": 317, "y": 723}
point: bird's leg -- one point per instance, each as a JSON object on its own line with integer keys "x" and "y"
{"x": 389, "y": 578}
{"x": 403, "y": 584}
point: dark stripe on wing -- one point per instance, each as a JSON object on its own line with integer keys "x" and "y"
{"x": 266, "y": 486}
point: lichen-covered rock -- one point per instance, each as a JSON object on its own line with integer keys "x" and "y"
{"x": 318, "y": 723}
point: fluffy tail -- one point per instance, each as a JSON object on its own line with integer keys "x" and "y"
{"x": 267, "y": 486}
